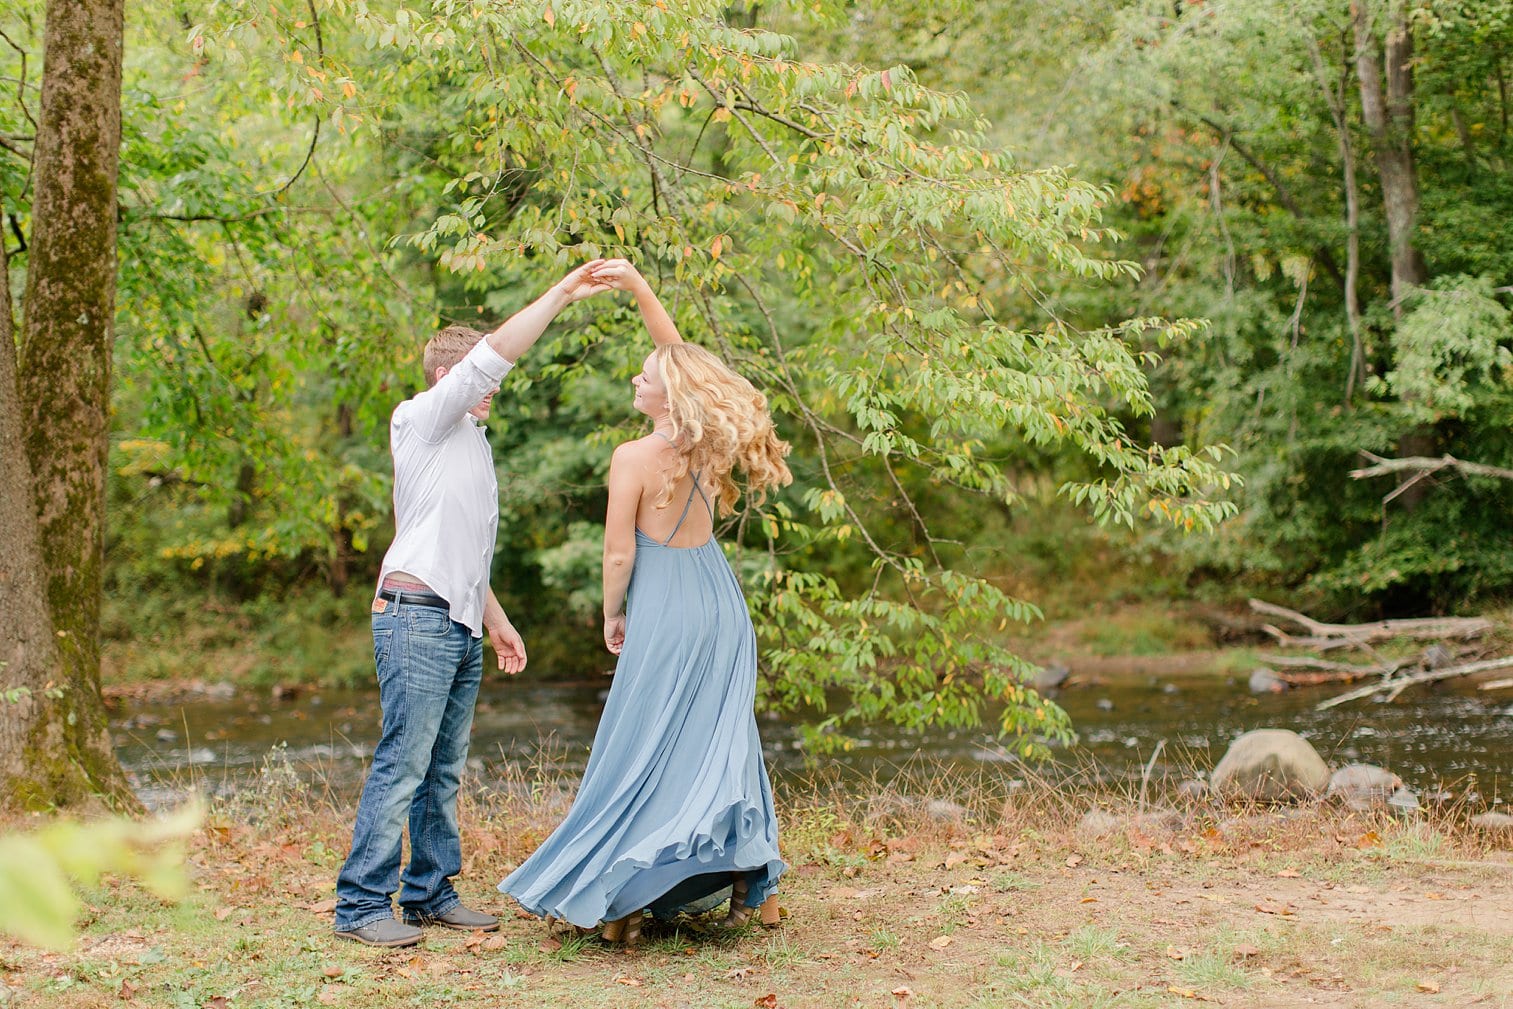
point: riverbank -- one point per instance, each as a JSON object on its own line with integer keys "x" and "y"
{"x": 182, "y": 648}
{"x": 186, "y": 649}
{"x": 893, "y": 900}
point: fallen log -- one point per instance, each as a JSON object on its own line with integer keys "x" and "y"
{"x": 1497, "y": 685}
{"x": 1315, "y": 672}
{"x": 1395, "y": 687}
{"x": 1319, "y": 679}
{"x": 1324, "y": 636}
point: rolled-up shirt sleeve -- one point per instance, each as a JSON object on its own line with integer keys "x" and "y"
{"x": 433, "y": 413}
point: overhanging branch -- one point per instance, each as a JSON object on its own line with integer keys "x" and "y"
{"x": 1423, "y": 466}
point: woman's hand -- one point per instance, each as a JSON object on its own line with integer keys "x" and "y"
{"x": 583, "y": 282}
{"x": 614, "y": 633}
{"x": 619, "y": 274}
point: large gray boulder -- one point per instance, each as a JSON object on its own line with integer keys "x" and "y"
{"x": 1270, "y": 765}
{"x": 1363, "y": 786}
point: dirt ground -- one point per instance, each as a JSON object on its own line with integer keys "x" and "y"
{"x": 1307, "y": 909}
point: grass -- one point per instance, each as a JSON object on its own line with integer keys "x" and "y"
{"x": 1007, "y": 906}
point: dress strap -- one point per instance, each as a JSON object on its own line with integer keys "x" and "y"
{"x": 686, "y": 505}
{"x": 700, "y": 488}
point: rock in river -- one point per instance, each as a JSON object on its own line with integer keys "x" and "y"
{"x": 1264, "y": 681}
{"x": 1270, "y": 765}
{"x": 1499, "y": 825}
{"x": 1363, "y": 786}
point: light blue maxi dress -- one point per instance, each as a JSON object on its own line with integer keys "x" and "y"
{"x": 675, "y": 798}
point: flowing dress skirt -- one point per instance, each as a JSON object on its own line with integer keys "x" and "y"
{"x": 675, "y": 798}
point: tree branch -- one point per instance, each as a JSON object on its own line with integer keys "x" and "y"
{"x": 1425, "y": 465}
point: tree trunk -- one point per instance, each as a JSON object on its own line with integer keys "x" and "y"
{"x": 64, "y": 383}
{"x": 1334, "y": 98}
{"x": 1389, "y": 123}
{"x": 28, "y": 662}
{"x": 343, "y": 552}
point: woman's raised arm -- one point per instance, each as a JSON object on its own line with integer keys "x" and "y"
{"x": 622, "y": 276}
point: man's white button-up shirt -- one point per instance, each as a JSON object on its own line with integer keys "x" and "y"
{"x": 446, "y": 494}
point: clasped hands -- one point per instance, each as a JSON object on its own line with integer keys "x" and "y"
{"x": 598, "y": 275}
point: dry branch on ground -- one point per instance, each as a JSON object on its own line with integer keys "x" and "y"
{"x": 1325, "y": 636}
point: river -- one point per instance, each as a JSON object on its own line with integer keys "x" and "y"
{"x": 1453, "y": 742}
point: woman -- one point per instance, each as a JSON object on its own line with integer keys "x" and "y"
{"x": 675, "y": 805}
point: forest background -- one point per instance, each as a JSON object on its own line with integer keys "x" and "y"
{"x": 1037, "y": 290}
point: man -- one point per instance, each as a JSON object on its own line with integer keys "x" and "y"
{"x": 432, "y": 607}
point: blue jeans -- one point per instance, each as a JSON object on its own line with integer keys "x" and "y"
{"x": 429, "y": 668}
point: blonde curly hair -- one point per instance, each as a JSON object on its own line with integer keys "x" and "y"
{"x": 719, "y": 423}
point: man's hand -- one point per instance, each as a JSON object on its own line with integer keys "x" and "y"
{"x": 619, "y": 274}
{"x": 582, "y": 283}
{"x": 508, "y": 648}
{"x": 614, "y": 633}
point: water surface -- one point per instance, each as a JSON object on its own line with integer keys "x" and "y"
{"x": 1452, "y": 739}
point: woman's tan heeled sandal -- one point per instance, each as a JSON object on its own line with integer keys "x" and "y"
{"x": 625, "y": 931}
{"x": 740, "y": 913}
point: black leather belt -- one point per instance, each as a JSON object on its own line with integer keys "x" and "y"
{"x": 414, "y": 597}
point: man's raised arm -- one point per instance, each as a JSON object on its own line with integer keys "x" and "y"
{"x": 520, "y": 331}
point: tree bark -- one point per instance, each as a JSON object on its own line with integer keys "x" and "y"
{"x": 28, "y": 661}
{"x": 64, "y": 381}
{"x": 1389, "y": 122}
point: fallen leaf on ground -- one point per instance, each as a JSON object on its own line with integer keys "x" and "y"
{"x": 494, "y": 943}
{"x": 222, "y": 913}
{"x": 332, "y": 971}
{"x": 330, "y": 995}
{"x": 1245, "y": 949}
{"x": 1173, "y": 953}
{"x": 633, "y": 982}
{"x": 1289, "y": 874}
{"x": 1428, "y": 987}
{"x": 1267, "y": 907}
{"x": 902, "y": 993}
{"x": 322, "y": 907}
{"x": 1074, "y": 861}
{"x": 768, "y": 1001}
{"x": 739, "y": 973}
{"x": 549, "y": 945}
{"x": 940, "y": 942}
{"x": 221, "y": 1002}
